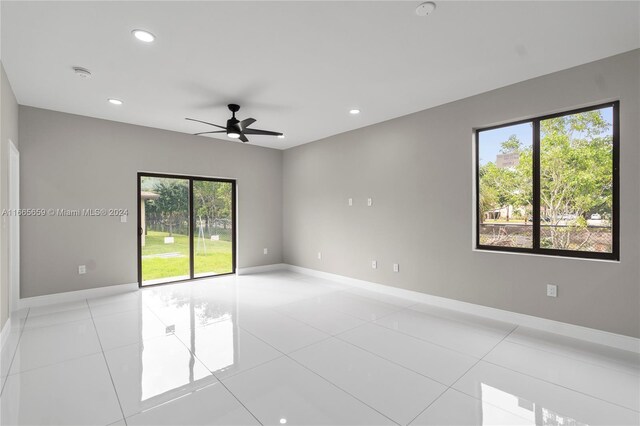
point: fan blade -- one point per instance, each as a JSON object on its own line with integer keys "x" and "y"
{"x": 204, "y": 133}
{"x": 246, "y": 123}
{"x": 261, "y": 132}
{"x": 243, "y": 138}
{"x": 211, "y": 124}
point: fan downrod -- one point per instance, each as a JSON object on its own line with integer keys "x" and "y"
{"x": 234, "y": 108}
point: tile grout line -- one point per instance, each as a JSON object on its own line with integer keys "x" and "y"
{"x": 317, "y": 374}
{"x": 458, "y": 321}
{"x": 410, "y": 308}
{"x": 364, "y": 321}
{"x": 238, "y": 372}
{"x": 4, "y": 382}
{"x": 218, "y": 379}
{"x": 534, "y": 377}
{"x": 560, "y": 386}
{"x": 399, "y": 309}
{"x": 106, "y": 363}
{"x": 296, "y": 320}
{"x": 549, "y": 351}
{"x": 327, "y": 337}
{"x": 483, "y": 357}
{"x": 428, "y": 406}
{"x": 372, "y": 321}
{"x": 463, "y": 374}
{"x": 238, "y": 399}
{"x": 278, "y": 311}
{"x": 403, "y": 306}
{"x": 326, "y": 332}
{"x": 391, "y": 361}
{"x": 338, "y": 387}
{"x": 427, "y": 341}
{"x": 74, "y": 358}
{"x": 337, "y": 336}
{"x": 368, "y": 300}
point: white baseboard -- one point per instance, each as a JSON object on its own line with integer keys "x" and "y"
{"x": 618, "y": 341}
{"x": 263, "y": 268}
{"x": 72, "y": 296}
{"x": 570, "y": 330}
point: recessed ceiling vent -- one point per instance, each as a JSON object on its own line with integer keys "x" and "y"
{"x": 82, "y": 72}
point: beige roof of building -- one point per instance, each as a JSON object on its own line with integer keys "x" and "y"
{"x": 148, "y": 195}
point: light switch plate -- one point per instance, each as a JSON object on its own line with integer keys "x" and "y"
{"x": 369, "y": 202}
{"x": 374, "y": 264}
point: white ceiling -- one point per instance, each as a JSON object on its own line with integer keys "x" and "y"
{"x": 297, "y": 67}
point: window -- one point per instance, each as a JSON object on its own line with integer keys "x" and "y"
{"x": 549, "y": 185}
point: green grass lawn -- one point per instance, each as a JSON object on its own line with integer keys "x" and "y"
{"x": 217, "y": 260}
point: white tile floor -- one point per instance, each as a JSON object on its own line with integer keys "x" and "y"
{"x": 283, "y": 348}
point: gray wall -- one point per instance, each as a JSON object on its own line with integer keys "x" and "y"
{"x": 70, "y": 161}
{"x": 418, "y": 170}
{"x": 8, "y": 131}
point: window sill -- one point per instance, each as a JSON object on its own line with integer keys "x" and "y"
{"x": 545, "y": 255}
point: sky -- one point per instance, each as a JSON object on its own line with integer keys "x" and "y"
{"x": 490, "y": 140}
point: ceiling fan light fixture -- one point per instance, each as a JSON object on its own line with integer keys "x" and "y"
{"x": 237, "y": 129}
{"x": 280, "y": 136}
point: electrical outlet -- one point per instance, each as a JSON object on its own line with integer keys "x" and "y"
{"x": 319, "y": 255}
{"x": 374, "y": 264}
{"x": 369, "y": 202}
{"x": 350, "y": 201}
{"x": 552, "y": 290}
{"x": 82, "y": 269}
{"x": 123, "y": 219}
{"x": 396, "y": 267}
{"x": 266, "y": 250}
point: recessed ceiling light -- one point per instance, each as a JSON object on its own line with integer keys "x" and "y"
{"x": 283, "y": 421}
{"x": 354, "y": 111}
{"x": 143, "y": 35}
{"x": 233, "y": 135}
{"x": 426, "y": 8}
{"x": 280, "y": 136}
{"x": 115, "y": 101}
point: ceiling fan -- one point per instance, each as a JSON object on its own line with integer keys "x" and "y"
{"x": 235, "y": 128}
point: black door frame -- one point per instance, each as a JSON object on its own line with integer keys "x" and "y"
{"x": 190, "y": 179}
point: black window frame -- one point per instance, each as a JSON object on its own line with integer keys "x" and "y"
{"x": 536, "y": 249}
{"x": 190, "y": 180}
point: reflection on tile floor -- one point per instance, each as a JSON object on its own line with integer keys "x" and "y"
{"x": 283, "y": 348}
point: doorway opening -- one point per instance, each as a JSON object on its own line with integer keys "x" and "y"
{"x": 186, "y": 228}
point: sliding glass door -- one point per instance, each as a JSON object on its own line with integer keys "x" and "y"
{"x": 186, "y": 228}
{"x": 212, "y": 227}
